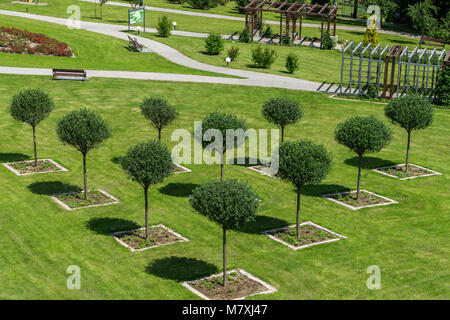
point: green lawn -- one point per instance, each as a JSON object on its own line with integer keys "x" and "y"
{"x": 92, "y": 51}
{"x": 118, "y": 15}
{"x": 408, "y": 241}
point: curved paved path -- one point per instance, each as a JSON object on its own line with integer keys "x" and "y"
{"x": 226, "y": 17}
{"x": 250, "y": 78}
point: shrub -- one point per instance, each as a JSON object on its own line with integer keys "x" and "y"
{"x": 327, "y": 42}
{"x": 203, "y": 4}
{"x": 282, "y": 112}
{"x": 31, "y": 106}
{"x": 223, "y": 122}
{"x": 292, "y": 63}
{"x": 164, "y": 26}
{"x": 267, "y": 31}
{"x": 244, "y": 36}
{"x": 370, "y": 91}
{"x": 229, "y": 203}
{"x": 442, "y": 89}
{"x": 241, "y": 3}
{"x": 233, "y": 53}
{"x": 263, "y": 58}
{"x": 147, "y": 163}
{"x": 159, "y": 112}
{"x": 371, "y": 36}
{"x": 84, "y": 130}
{"x": 303, "y": 162}
{"x": 214, "y": 44}
{"x": 285, "y": 40}
{"x": 362, "y": 135}
{"x": 411, "y": 112}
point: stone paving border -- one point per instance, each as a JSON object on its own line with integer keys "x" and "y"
{"x": 255, "y": 168}
{"x": 181, "y": 167}
{"x": 433, "y": 173}
{"x": 328, "y": 196}
{"x": 115, "y": 234}
{"x": 17, "y": 173}
{"x": 269, "y": 288}
{"x": 65, "y": 206}
{"x": 268, "y": 233}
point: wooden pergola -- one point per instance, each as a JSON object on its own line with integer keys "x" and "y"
{"x": 292, "y": 12}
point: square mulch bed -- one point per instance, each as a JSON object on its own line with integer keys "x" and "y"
{"x": 311, "y": 234}
{"x": 178, "y": 168}
{"x": 398, "y": 171}
{"x": 75, "y": 200}
{"x": 240, "y": 285}
{"x": 23, "y": 168}
{"x": 159, "y": 235}
{"x": 367, "y": 199}
{"x": 263, "y": 169}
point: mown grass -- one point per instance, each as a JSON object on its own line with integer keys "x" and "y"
{"x": 118, "y": 15}
{"x": 92, "y": 51}
{"x": 408, "y": 241}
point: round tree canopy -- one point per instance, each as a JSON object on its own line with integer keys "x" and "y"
{"x": 158, "y": 111}
{"x": 363, "y": 134}
{"x": 147, "y": 163}
{"x": 303, "y": 162}
{"x": 31, "y": 106}
{"x": 229, "y": 203}
{"x": 83, "y": 129}
{"x": 282, "y": 111}
{"x": 411, "y": 112}
{"x": 223, "y": 122}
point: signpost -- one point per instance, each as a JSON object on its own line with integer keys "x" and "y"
{"x": 136, "y": 15}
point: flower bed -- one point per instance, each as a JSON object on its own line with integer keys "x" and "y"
{"x": 14, "y": 40}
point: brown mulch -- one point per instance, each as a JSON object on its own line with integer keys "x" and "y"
{"x": 308, "y": 234}
{"x": 365, "y": 199}
{"x": 399, "y": 171}
{"x": 157, "y": 236}
{"x": 29, "y": 167}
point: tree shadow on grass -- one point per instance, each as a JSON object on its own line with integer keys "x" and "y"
{"x": 369, "y": 162}
{"x": 177, "y": 189}
{"x": 108, "y": 225}
{"x": 316, "y": 190}
{"x": 180, "y": 268}
{"x": 50, "y": 188}
{"x": 116, "y": 159}
{"x": 12, "y": 157}
{"x": 263, "y": 223}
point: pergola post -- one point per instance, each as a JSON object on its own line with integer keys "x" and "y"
{"x": 300, "y": 28}
{"x": 294, "y": 26}
{"x": 281, "y": 26}
{"x": 334, "y": 29}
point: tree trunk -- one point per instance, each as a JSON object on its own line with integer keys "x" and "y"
{"x": 282, "y": 134}
{"x": 34, "y": 142}
{"x": 359, "y": 177}
{"x": 159, "y": 134}
{"x": 85, "y": 177}
{"x": 101, "y": 11}
{"x": 298, "y": 212}
{"x": 224, "y": 257}
{"x": 407, "y": 152}
{"x": 146, "y": 212}
{"x": 221, "y": 166}
{"x": 355, "y": 9}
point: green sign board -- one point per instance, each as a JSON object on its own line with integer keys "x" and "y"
{"x": 136, "y": 16}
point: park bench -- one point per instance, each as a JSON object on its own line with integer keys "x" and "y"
{"x": 69, "y": 74}
{"x": 432, "y": 42}
{"x": 136, "y": 46}
{"x": 231, "y": 37}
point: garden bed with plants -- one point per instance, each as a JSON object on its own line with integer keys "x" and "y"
{"x": 75, "y": 200}
{"x": 399, "y": 171}
{"x": 14, "y": 40}
{"x": 240, "y": 284}
{"x": 366, "y": 199}
{"x": 28, "y": 167}
{"x": 159, "y": 235}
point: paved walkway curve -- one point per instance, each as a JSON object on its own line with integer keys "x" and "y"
{"x": 250, "y": 78}
{"x": 226, "y": 17}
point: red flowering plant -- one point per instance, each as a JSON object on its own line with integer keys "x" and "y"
{"x": 25, "y": 42}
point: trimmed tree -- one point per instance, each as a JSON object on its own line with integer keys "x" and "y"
{"x": 362, "y": 135}
{"x": 84, "y": 130}
{"x": 223, "y": 122}
{"x": 282, "y": 112}
{"x": 303, "y": 162}
{"x": 31, "y": 106}
{"x": 442, "y": 89}
{"x": 159, "y": 112}
{"x": 147, "y": 163}
{"x": 411, "y": 112}
{"x": 229, "y": 203}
